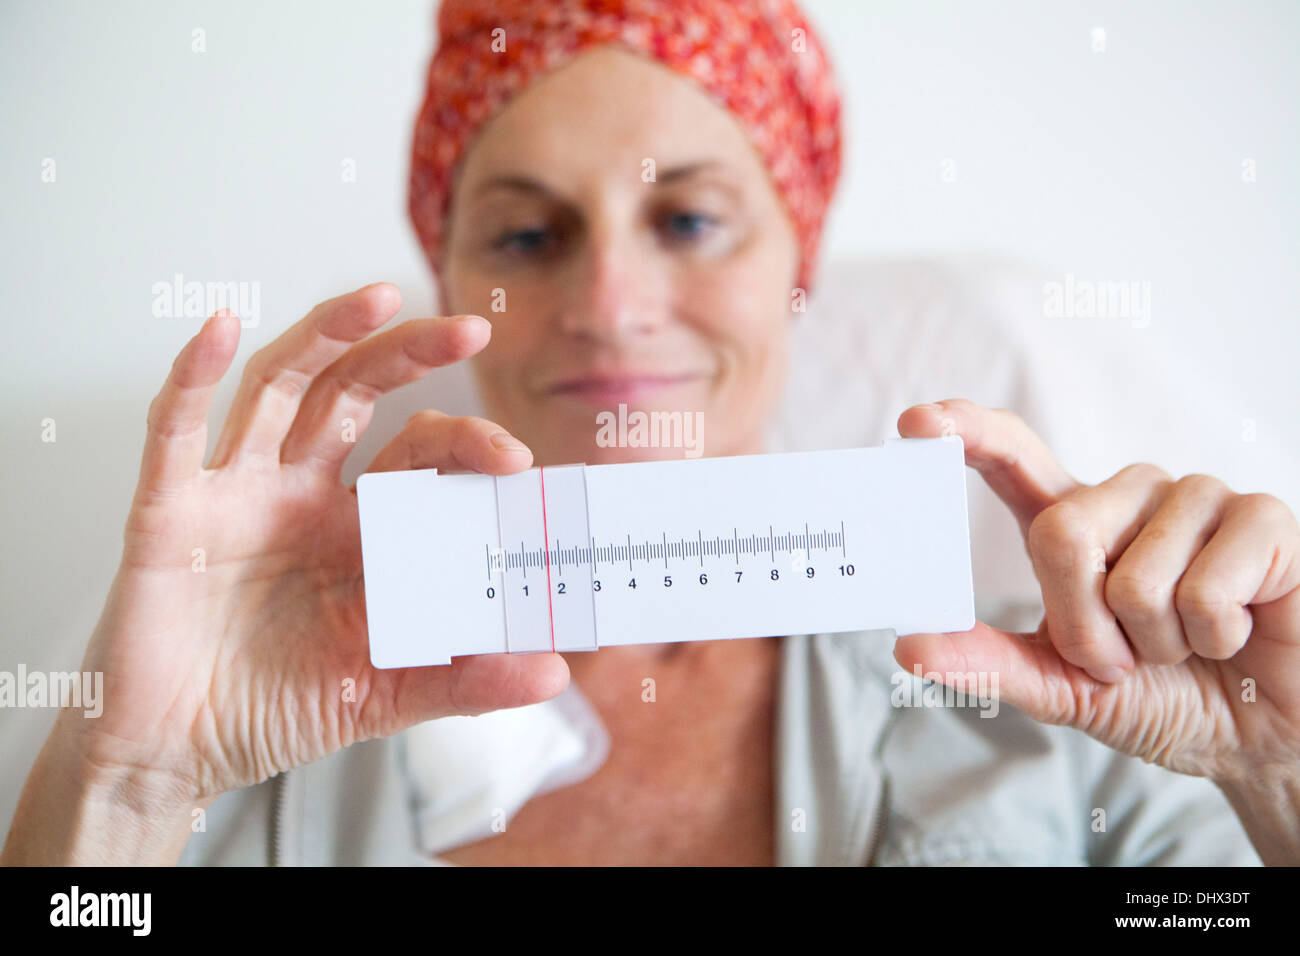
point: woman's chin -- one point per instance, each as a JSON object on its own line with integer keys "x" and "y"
{"x": 616, "y": 455}
{"x": 589, "y": 449}
{"x": 574, "y": 432}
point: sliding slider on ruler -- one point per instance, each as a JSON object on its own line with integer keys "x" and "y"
{"x": 547, "y": 587}
{"x": 576, "y": 557}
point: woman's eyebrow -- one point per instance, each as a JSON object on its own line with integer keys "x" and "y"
{"x": 522, "y": 183}
{"x": 678, "y": 173}
{"x": 516, "y": 182}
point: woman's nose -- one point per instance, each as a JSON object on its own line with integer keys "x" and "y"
{"x": 617, "y": 294}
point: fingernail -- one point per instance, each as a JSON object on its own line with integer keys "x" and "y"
{"x": 931, "y": 407}
{"x": 507, "y": 442}
{"x": 1107, "y": 675}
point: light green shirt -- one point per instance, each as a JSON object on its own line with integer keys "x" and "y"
{"x": 859, "y": 780}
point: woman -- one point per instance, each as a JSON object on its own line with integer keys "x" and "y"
{"x": 633, "y": 192}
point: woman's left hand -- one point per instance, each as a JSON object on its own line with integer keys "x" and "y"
{"x": 1172, "y": 608}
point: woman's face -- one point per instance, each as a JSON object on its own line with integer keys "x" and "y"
{"x": 622, "y": 236}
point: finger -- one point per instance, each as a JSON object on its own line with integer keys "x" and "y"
{"x": 1001, "y": 447}
{"x": 277, "y": 376}
{"x": 1140, "y": 587}
{"x": 469, "y": 687}
{"x": 339, "y": 404}
{"x": 1070, "y": 544}
{"x": 434, "y": 440}
{"x": 1251, "y": 559}
{"x": 177, "y": 438}
{"x": 1022, "y": 670}
{"x": 473, "y": 686}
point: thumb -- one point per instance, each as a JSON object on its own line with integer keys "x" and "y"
{"x": 1023, "y": 670}
{"x": 468, "y": 687}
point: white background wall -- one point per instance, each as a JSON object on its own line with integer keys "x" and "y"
{"x": 225, "y": 165}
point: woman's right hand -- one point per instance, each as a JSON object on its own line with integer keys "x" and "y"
{"x": 233, "y": 644}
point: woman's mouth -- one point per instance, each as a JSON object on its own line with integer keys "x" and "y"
{"x": 608, "y": 390}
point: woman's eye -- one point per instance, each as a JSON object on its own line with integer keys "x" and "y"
{"x": 688, "y": 225}
{"x": 521, "y": 240}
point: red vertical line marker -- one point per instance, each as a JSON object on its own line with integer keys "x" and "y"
{"x": 546, "y": 551}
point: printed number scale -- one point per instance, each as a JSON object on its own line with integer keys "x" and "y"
{"x": 578, "y": 557}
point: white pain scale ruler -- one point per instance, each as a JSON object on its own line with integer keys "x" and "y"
{"x": 579, "y": 557}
